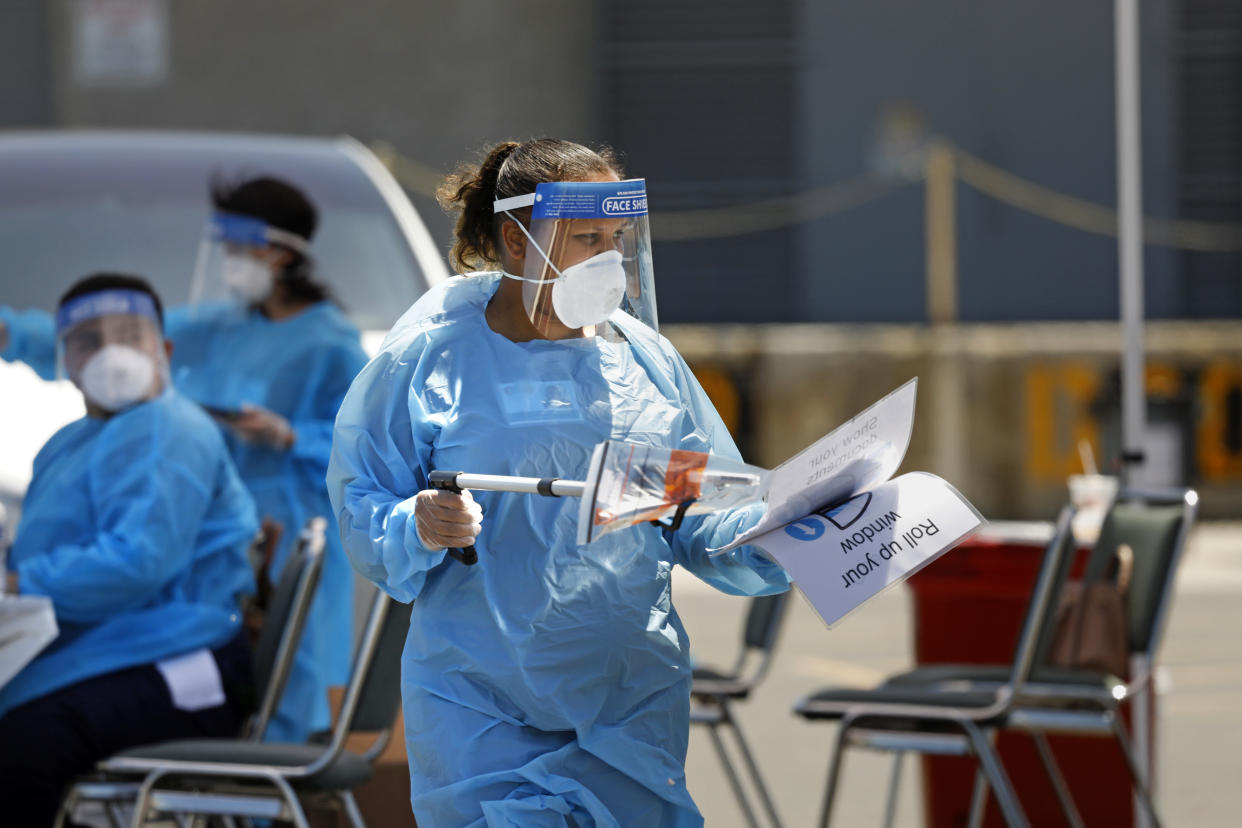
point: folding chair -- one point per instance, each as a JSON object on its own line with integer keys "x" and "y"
{"x": 265, "y": 780}
{"x": 1155, "y": 525}
{"x": 712, "y": 692}
{"x": 271, "y": 662}
{"x": 901, "y": 719}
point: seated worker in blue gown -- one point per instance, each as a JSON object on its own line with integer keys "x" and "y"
{"x": 265, "y": 349}
{"x": 136, "y": 526}
{"x": 549, "y": 683}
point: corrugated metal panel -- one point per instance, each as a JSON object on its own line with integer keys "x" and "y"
{"x": 1210, "y": 138}
{"x": 701, "y": 99}
{"x": 683, "y": 21}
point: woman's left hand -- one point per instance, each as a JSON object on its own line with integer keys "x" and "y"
{"x": 267, "y": 428}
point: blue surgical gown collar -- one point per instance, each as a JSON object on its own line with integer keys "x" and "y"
{"x": 168, "y": 391}
{"x": 489, "y": 283}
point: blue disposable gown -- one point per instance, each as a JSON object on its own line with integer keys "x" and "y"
{"x": 136, "y": 527}
{"x": 550, "y": 680}
{"x": 32, "y": 340}
{"x": 300, "y": 367}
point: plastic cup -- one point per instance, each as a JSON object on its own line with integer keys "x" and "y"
{"x": 1091, "y": 495}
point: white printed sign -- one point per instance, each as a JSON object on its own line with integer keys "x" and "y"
{"x": 842, "y": 532}
{"x": 843, "y": 556}
{"x": 854, "y": 457}
{"x": 120, "y": 43}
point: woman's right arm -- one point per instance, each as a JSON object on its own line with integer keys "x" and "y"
{"x": 29, "y": 336}
{"x": 381, "y": 449}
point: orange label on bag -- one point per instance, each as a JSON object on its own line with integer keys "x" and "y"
{"x": 684, "y": 479}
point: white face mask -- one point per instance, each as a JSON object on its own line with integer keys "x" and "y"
{"x": 588, "y": 292}
{"x": 246, "y": 278}
{"x": 117, "y": 376}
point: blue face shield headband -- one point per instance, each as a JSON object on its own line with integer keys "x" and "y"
{"x": 234, "y": 228}
{"x": 115, "y": 302}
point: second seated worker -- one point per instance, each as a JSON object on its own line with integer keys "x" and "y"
{"x": 549, "y": 683}
{"x": 136, "y": 526}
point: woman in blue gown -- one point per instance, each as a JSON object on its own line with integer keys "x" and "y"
{"x": 547, "y": 685}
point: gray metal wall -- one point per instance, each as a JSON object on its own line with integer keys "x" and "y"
{"x": 701, "y": 96}
{"x": 1027, "y": 87}
{"x": 718, "y": 103}
{"x": 25, "y": 64}
{"x": 439, "y": 81}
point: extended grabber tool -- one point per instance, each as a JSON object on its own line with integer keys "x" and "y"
{"x": 455, "y": 481}
{"x": 627, "y": 484}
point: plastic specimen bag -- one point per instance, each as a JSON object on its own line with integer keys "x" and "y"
{"x": 630, "y": 484}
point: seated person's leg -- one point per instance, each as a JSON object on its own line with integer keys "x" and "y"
{"x": 51, "y": 740}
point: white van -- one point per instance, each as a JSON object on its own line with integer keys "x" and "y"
{"x": 73, "y": 203}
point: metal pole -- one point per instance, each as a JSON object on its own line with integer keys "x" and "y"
{"x": 940, "y": 219}
{"x": 1130, "y": 238}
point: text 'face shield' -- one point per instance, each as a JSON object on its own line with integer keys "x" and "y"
{"x": 589, "y": 253}
{"x": 111, "y": 346}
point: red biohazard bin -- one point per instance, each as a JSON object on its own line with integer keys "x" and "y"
{"x": 968, "y": 609}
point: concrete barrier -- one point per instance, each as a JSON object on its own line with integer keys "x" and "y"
{"x": 1002, "y": 408}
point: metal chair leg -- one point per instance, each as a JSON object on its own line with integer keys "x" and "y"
{"x": 1136, "y": 772}
{"x": 894, "y": 783}
{"x": 295, "y": 806}
{"x": 978, "y": 799}
{"x": 734, "y": 781}
{"x": 116, "y": 814}
{"x": 997, "y": 777}
{"x": 143, "y": 800}
{"x": 834, "y": 769}
{"x": 66, "y": 806}
{"x": 751, "y": 765}
{"x": 1058, "y": 781}
{"x": 1140, "y": 717}
{"x": 351, "y": 809}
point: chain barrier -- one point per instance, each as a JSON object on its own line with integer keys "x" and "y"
{"x": 784, "y": 211}
{"x": 1088, "y": 216}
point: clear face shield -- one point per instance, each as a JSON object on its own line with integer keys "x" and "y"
{"x": 111, "y": 346}
{"x": 232, "y": 263}
{"x": 588, "y": 254}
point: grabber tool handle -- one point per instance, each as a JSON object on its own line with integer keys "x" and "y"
{"x": 447, "y": 480}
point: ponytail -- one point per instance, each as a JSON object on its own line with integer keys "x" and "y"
{"x": 470, "y": 192}
{"x": 509, "y": 169}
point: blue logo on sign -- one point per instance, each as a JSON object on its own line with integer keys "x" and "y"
{"x": 807, "y": 529}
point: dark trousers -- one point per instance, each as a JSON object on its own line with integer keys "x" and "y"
{"x": 47, "y": 742}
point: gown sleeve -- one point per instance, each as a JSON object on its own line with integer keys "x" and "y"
{"x": 32, "y": 340}
{"x": 150, "y": 492}
{"x": 381, "y": 449}
{"x": 746, "y": 570}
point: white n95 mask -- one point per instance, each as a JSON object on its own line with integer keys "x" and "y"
{"x": 117, "y": 376}
{"x": 588, "y": 292}
{"x": 246, "y": 278}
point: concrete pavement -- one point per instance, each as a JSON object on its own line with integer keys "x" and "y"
{"x": 1199, "y": 764}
